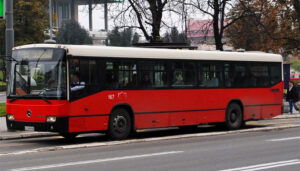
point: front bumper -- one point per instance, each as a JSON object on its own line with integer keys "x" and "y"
{"x": 61, "y": 125}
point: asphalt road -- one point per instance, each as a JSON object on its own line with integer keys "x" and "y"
{"x": 269, "y": 150}
{"x": 56, "y": 142}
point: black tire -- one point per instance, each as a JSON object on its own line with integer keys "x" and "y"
{"x": 243, "y": 124}
{"x": 9, "y": 125}
{"x": 119, "y": 124}
{"x": 69, "y": 136}
{"x": 234, "y": 117}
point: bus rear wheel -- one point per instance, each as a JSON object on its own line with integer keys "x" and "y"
{"x": 234, "y": 117}
{"x": 119, "y": 124}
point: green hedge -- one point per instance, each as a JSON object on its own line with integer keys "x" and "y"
{"x": 1, "y": 75}
{"x": 296, "y": 65}
{"x": 2, "y": 109}
{"x": 2, "y": 86}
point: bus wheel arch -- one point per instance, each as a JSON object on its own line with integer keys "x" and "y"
{"x": 234, "y": 115}
{"x": 121, "y": 122}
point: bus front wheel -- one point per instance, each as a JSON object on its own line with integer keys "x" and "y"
{"x": 234, "y": 117}
{"x": 119, "y": 124}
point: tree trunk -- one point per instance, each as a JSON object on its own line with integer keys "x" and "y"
{"x": 155, "y": 35}
{"x": 216, "y": 21}
{"x": 156, "y": 8}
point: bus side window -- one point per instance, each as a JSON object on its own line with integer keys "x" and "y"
{"x": 111, "y": 75}
{"x": 177, "y": 73}
{"x": 184, "y": 74}
{"x": 275, "y": 74}
{"x": 153, "y": 74}
{"x": 75, "y": 79}
{"x": 89, "y": 75}
{"x": 239, "y": 76}
{"x": 228, "y": 75}
{"x": 190, "y": 74}
{"x": 210, "y": 75}
{"x": 146, "y": 75}
{"x": 127, "y": 75}
{"x": 259, "y": 75}
{"x": 160, "y": 74}
{"x": 83, "y": 77}
{"x": 178, "y": 78}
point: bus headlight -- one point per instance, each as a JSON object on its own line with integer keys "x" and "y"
{"x": 51, "y": 119}
{"x": 10, "y": 117}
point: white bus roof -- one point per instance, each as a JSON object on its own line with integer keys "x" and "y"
{"x": 150, "y": 53}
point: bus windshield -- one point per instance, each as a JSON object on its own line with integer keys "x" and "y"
{"x": 38, "y": 73}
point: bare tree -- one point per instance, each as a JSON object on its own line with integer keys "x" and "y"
{"x": 217, "y": 10}
{"x": 147, "y": 14}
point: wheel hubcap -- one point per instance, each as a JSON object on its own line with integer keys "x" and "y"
{"x": 120, "y": 124}
{"x": 233, "y": 116}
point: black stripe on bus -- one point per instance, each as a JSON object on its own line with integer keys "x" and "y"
{"x": 81, "y": 116}
{"x": 201, "y": 110}
{"x": 256, "y": 105}
{"x": 77, "y": 116}
{"x": 173, "y": 111}
{"x": 177, "y": 111}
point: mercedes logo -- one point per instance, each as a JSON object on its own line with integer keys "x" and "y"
{"x": 28, "y": 113}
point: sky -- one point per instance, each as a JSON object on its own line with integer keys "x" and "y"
{"x": 98, "y": 17}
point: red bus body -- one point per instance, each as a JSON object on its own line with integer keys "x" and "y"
{"x": 153, "y": 108}
{"x": 148, "y": 108}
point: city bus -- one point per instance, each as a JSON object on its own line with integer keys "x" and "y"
{"x": 73, "y": 89}
{"x": 295, "y": 77}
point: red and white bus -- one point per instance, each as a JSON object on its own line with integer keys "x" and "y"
{"x": 119, "y": 90}
{"x": 295, "y": 77}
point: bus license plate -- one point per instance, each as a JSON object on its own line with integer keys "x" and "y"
{"x": 29, "y": 128}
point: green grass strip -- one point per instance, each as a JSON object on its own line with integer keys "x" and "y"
{"x": 2, "y": 109}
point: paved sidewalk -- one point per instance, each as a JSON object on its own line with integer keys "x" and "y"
{"x": 287, "y": 116}
{"x": 2, "y": 97}
{"x": 6, "y": 135}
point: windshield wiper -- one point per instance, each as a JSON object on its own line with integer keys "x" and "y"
{"x": 27, "y": 95}
{"x": 39, "y": 58}
{"x": 14, "y": 99}
{"x": 17, "y": 98}
{"x": 20, "y": 75}
{"x": 45, "y": 99}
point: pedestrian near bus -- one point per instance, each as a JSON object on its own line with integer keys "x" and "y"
{"x": 291, "y": 96}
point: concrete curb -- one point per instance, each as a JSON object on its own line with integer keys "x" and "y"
{"x": 26, "y": 135}
{"x": 287, "y": 116}
{"x": 21, "y": 134}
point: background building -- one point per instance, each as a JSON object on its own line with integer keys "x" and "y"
{"x": 64, "y": 10}
{"x": 200, "y": 31}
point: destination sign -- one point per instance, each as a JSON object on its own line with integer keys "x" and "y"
{"x": 33, "y": 54}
